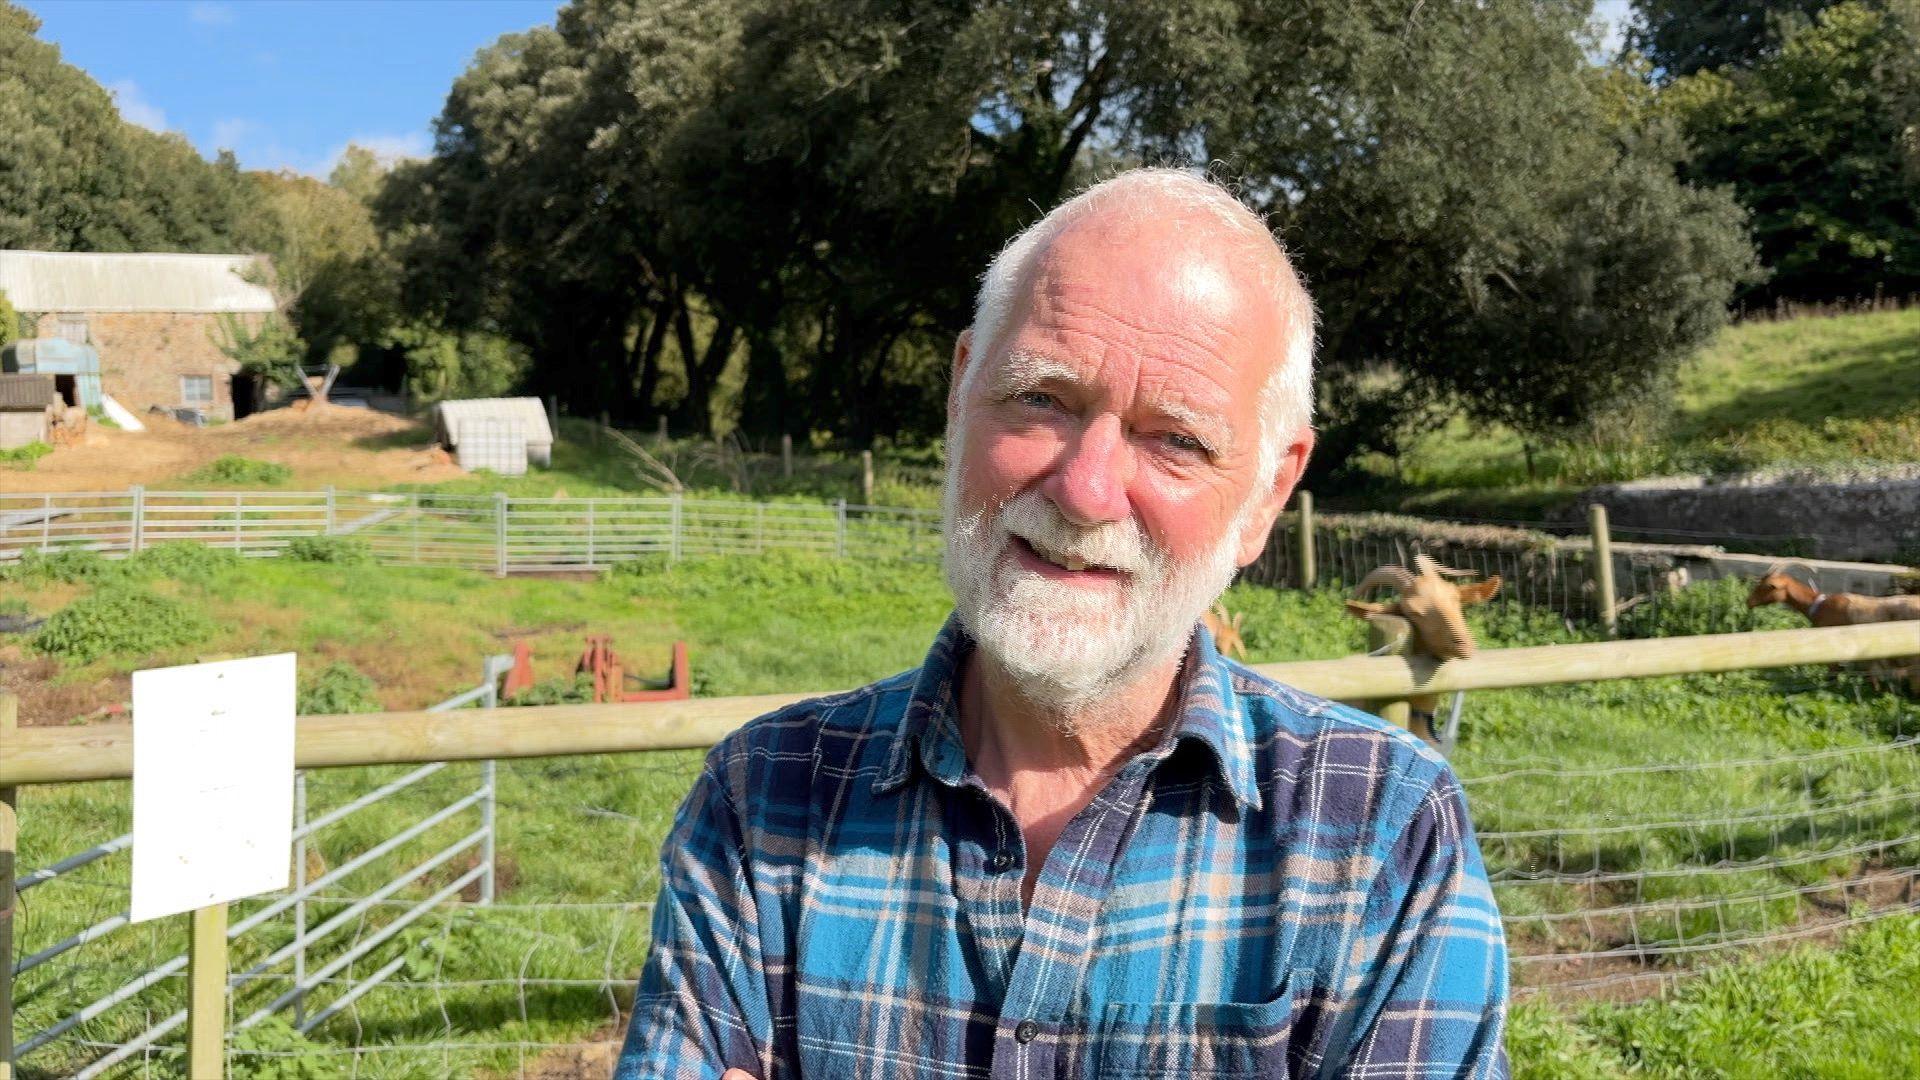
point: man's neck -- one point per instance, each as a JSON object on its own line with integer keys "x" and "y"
{"x": 1007, "y": 734}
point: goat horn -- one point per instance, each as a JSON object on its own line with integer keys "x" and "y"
{"x": 1394, "y": 576}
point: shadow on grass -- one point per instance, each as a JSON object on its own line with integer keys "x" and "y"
{"x": 1877, "y": 384}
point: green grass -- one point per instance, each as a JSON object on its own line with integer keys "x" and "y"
{"x": 586, "y": 830}
{"x": 1818, "y": 391}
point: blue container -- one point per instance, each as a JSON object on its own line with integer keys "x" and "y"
{"x": 56, "y": 356}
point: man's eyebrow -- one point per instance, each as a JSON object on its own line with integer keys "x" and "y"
{"x": 1025, "y": 371}
{"x": 1211, "y": 428}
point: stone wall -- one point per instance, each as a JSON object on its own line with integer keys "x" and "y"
{"x": 144, "y": 354}
{"x": 1865, "y": 515}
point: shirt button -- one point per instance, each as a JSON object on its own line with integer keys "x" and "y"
{"x": 1000, "y": 862}
{"x": 1025, "y": 1032}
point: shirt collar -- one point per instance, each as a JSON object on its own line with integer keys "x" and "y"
{"x": 1208, "y": 711}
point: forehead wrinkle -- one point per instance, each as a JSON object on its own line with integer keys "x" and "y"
{"x": 1202, "y": 335}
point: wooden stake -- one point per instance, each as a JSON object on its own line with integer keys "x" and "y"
{"x": 866, "y": 477}
{"x": 786, "y": 456}
{"x": 207, "y": 990}
{"x": 1603, "y": 593}
{"x": 1309, "y": 575}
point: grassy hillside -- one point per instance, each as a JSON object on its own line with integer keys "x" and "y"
{"x": 585, "y": 831}
{"x": 1829, "y": 390}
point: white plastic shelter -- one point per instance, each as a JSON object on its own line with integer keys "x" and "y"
{"x": 486, "y": 433}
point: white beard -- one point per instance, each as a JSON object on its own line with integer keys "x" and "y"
{"x": 1069, "y": 645}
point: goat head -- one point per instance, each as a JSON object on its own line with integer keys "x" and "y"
{"x": 1429, "y": 602}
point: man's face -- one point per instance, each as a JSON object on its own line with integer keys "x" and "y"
{"x": 1103, "y": 482}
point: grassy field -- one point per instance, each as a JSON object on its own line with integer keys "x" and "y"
{"x": 578, "y": 837}
{"x": 1818, "y": 391}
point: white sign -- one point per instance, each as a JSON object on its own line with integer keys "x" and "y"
{"x": 212, "y": 783}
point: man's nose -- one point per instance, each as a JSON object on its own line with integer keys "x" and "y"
{"x": 1089, "y": 483}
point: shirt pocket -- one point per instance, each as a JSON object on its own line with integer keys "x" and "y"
{"x": 1161, "y": 1039}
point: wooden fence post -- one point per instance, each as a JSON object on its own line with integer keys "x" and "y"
{"x": 9, "y": 849}
{"x": 139, "y": 494}
{"x": 332, "y": 514}
{"x": 786, "y": 456}
{"x": 840, "y": 528}
{"x": 207, "y": 994}
{"x": 1603, "y": 593}
{"x": 673, "y": 540}
{"x": 866, "y": 478}
{"x": 663, "y": 427}
{"x": 1309, "y": 573}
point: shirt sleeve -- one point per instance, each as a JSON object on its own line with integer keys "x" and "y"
{"x": 701, "y": 1007}
{"x": 1434, "y": 1002}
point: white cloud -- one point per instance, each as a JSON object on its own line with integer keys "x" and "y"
{"x": 135, "y": 109}
{"x": 391, "y": 148}
{"x": 207, "y": 13}
{"x": 228, "y": 133}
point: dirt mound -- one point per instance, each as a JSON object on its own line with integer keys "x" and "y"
{"x": 326, "y": 444}
{"x": 331, "y": 420}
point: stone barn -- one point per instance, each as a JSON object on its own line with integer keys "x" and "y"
{"x": 157, "y": 320}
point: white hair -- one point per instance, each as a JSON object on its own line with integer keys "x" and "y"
{"x": 1286, "y": 399}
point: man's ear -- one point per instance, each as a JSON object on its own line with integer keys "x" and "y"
{"x": 1293, "y": 465}
{"x": 962, "y": 353}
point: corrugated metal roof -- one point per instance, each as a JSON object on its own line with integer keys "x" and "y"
{"x": 530, "y": 414}
{"x": 160, "y": 281}
{"x": 27, "y": 391}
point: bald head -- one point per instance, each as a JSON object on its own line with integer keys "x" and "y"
{"x": 1218, "y": 252}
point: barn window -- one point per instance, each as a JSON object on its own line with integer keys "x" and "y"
{"x": 73, "y": 328}
{"x": 196, "y": 389}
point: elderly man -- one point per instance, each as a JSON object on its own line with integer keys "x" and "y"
{"x": 1077, "y": 841}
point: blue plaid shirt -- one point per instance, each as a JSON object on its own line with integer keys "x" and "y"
{"x": 1283, "y": 887}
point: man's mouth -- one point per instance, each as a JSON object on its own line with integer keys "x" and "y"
{"x": 1060, "y": 560}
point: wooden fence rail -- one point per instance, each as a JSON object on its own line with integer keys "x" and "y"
{"x": 105, "y": 751}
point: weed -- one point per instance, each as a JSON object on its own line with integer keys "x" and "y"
{"x": 341, "y": 550}
{"x": 120, "y": 620}
{"x": 69, "y": 566}
{"x": 183, "y": 560}
{"x": 23, "y": 457}
{"x": 234, "y": 469}
{"x": 557, "y": 691}
{"x": 337, "y": 688}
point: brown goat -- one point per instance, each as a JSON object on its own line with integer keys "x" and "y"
{"x": 1432, "y": 606}
{"x": 1842, "y": 609}
{"x": 1224, "y": 625}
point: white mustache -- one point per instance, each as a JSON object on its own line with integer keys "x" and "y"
{"x": 1122, "y": 546}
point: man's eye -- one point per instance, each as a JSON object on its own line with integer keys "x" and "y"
{"x": 1038, "y": 399}
{"x": 1180, "y": 440}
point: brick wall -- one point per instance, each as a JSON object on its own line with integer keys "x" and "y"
{"x": 144, "y": 354}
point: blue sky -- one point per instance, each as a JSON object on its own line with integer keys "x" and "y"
{"x": 287, "y": 84}
{"x": 282, "y": 84}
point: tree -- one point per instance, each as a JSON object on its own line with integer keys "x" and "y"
{"x": 658, "y": 200}
{"x": 1818, "y": 142}
{"x": 79, "y": 178}
{"x": 1681, "y": 37}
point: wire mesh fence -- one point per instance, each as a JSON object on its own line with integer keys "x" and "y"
{"x": 1620, "y": 862}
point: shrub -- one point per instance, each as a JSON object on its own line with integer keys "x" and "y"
{"x": 338, "y": 688}
{"x": 120, "y": 619}
{"x": 234, "y": 469}
{"x": 183, "y": 560}
{"x": 343, "y": 550}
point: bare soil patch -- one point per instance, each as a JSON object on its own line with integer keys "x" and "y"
{"x": 46, "y": 704}
{"x": 323, "y": 445}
